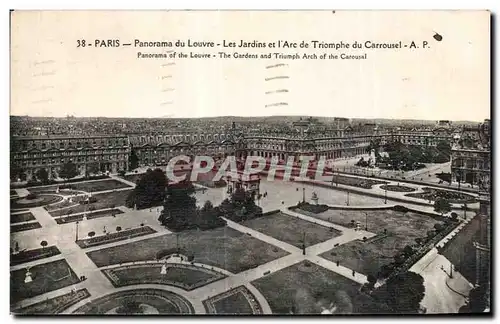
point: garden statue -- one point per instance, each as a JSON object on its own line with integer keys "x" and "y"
{"x": 28, "y": 277}
{"x": 163, "y": 269}
{"x": 315, "y": 197}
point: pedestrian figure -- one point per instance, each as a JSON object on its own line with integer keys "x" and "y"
{"x": 353, "y": 273}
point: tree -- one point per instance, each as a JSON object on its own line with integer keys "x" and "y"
{"x": 118, "y": 228}
{"x": 42, "y": 175}
{"x": 371, "y": 280}
{"x": 149, "y": 191}
{"x": 179, "y": 207}
{"x": 408, "y": 251}
{"x": 91, "y": 234}
{"x": 92, "y": 168}
{"x": 68, "y": 171}
{"x": 438, "y": 227}
{"x": 43, "y": 244}
{"x": 454, "y": 216}
{"x": 477, "y": 300}
{"x": 442, "y": 206}
{"x": 133, "y": 160}
{"x": 402, "y": 293}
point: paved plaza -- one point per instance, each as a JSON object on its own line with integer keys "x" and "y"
{"x": 231, "y": 283}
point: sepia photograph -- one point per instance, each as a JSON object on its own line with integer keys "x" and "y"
{"x": 217, "y": 162}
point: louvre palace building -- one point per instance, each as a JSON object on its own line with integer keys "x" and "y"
{"x": 107, "y": 146}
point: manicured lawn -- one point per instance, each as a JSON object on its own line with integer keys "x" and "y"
{"x": 32, "y": 255}
{"x": 113, "y": 237}
{"x": 23, "y": 217}
{"x": 104, "y": 200}
{"x": 367, "y": 258}
{"x": 24, "y": 227}
{"x": 161, "y": 301}
{"x": 453, "y": 197}
{"x": 186, "y": 277}
{"x": 222, "y": 247}
{"x": 407, "y": 224}
{"x": 303, "y": 289}
{"x": 356, "y": 182}
{"x": 54, "y": 305}
{"x": 133, "y": 177}
{"x": 46, "y": 277}
{"x": 41, "y": 200}
{"x": 234, "y": 301}
{"x": 91, "y": 215}
{"x": 92, "y": 186}
{"x": 291, "y": 229}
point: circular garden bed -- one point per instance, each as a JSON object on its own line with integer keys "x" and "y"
{"x": 397, "y": 188}
{"x": 34, "y": 201}
{"x": 454, "y": 197}
{"x": 138, "y": 301}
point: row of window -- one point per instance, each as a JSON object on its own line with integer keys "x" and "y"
{"x": 43, "y": 145}
{"x": 76, "y": 160}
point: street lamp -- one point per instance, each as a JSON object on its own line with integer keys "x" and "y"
{"x": 76, "y": 232}
{"x": 385, "y": 196}
{"x": 366, "y": 221}
{"x": 347, "y": 202}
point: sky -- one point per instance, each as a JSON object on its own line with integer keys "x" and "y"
{"x": 450, "y": 79}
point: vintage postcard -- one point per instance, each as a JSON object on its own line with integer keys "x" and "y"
{"x": 250, "y": 162}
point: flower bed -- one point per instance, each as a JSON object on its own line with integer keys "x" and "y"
{"x": 32, "y": 255}
{"x": 54, "y": 305}
{"x": 397, "y": 188}
{"x": 113, "y": 237}
{"x": 24, "y": 227}
{"x": 90, "y": 215}
{"x": 454, "y": 197}
{"x": 41, "y": 200}
{"x": 23, "y": 217}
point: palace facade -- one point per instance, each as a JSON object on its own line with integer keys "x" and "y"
{"x": 112, "y": 153}
{"x": 105, "y": 153}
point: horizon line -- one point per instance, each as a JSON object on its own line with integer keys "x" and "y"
{"x": 261, "y": 116}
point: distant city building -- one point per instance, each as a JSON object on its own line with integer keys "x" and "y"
{"x": 31, "y": 153}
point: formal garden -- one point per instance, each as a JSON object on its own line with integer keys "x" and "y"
{"x": 19, "y": 257}
{"x": 304, "y": 287}
{"x": 292, "y": 230}
{"x": 45, "y": 277}
{"x": 355, "y": 181}
{"x": 54, "y": 305}
{"x": 137, "y": 302}
{"x": 397, "y": 188}
{"x": 34, "y": 200}
{"x": 101, "y": 201}
{"x": 453, "y": 197}
{"x": 21, "y": 227}
{"x": 21, "y": 217}
{"x": 119, "y": 235}
{"x": 78, "y": 187}
{"x": 239, "y": 301}
{"x": 89, "y": 215}
{"x": 400, "y": 234}
{"x": 222, "y": 247}
{"x": 184, "y": 276}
